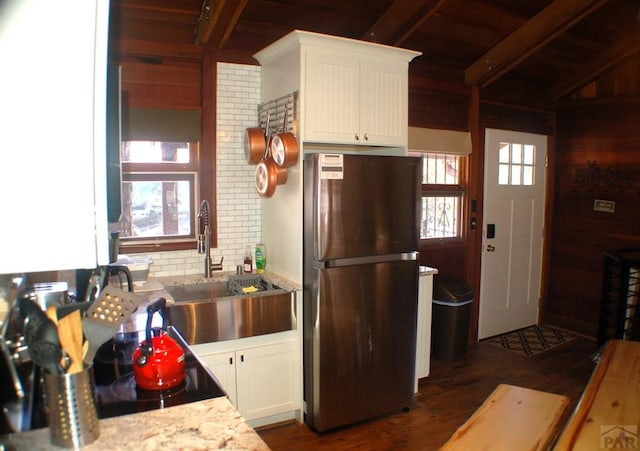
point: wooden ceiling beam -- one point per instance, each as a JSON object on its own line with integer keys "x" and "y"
{"x": 399, "y": 21}
{"x": 596, "y": 67}
{"x": 545, "y": 26}
{"x": 217, "y": 21}
{"x": 236, "y": 12}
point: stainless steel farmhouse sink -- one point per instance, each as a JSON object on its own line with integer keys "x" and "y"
{"x": 199, "y": 291}
{"x": 217, "y": 311}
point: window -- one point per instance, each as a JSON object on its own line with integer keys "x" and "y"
{"x": 159, "y": 185}
{"x": 442, "y": 194}
{"x": 516, "y": 164}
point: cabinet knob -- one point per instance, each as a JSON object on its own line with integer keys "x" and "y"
{"x": 366, "y": 137}
{"x": 357, "y": 136}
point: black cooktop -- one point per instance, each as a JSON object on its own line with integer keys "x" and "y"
{"x": 116, "y": 390}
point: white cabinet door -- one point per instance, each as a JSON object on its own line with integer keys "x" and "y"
{"x": 53, "y": 116}
{"x": 223, "y": 365}
{"x": 355, "y": 100}
{"x": 260, "y": 381}
{"x": 383, "y": 103}
{"x": 423, "y": 336}
{"x": 332, "y": 97}
{"x": 267, "y": 379}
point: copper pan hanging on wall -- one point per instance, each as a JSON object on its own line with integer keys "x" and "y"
{"x": 255, "y": 143}
{"x": 268, "y": 175}
{"x": 284, "y": 149}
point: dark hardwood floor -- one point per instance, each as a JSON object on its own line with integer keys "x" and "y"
{"x": 451, "y": 393}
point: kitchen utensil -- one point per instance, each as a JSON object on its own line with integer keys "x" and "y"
{"x": 158, "y": 363}
{"x": 254, "y": 144}
{"x": 70, "y": 333}
{"x": 51, "y": 293}
{"x": 106, "y": 315}
{"x": 89, "y": 283}
{"x": 268, "y": 176}
{"x": 41, "y": 336}
{"x": 119, "y": 276}
{"x": 283, "y": 146}
{"x": 284, "y": 149}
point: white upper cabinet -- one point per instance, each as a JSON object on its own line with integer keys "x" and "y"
{"x": 350, "y": 92}
{"x": 53, "y": 116}
{"x": 355, "y": 100}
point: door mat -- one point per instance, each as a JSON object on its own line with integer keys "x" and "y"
{"x": 531, "y": 340}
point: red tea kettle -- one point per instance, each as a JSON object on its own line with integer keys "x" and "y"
{"x": 158, "y": 362}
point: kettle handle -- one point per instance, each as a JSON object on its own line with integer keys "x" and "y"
{"x": 147, "y": 348}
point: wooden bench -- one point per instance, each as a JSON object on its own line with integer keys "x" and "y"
{"x": 608, "y": 413}
{"x": 512, "y": 418}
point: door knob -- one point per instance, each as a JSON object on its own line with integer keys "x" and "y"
{"x": 490, "y": 248}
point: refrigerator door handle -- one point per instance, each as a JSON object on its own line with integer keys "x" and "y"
{"x": 341, "y": 262}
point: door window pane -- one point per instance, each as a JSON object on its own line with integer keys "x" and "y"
{"x": 515, "y": 164}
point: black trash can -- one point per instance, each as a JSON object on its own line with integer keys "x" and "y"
{"x": 452, "y": 302}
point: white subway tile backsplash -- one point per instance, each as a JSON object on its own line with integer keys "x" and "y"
{"x": 237, "y": 203}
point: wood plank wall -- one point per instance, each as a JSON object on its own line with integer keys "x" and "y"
{"x": 598, "y": 157}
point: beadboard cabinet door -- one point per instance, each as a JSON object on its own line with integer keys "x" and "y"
{"x": 223, "y": 365}
{"x": 332, "y": 97}
{"x": 268, "y": 380}
{"x": 383, "y": 103}
{"x": 261, "y": 381}
{"x": 355, "y": 100}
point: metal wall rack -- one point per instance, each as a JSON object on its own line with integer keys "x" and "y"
{"x": 620, "y": 312}
{"x": 277, "y": 111}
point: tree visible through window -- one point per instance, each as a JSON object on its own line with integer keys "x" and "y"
{"x": 158, "y": 190}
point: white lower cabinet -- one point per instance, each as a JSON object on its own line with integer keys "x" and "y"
{"x": 263, "y": 382}
{"x": 423, "y": 335}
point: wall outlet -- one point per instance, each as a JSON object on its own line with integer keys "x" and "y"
{"x": 607, "y": 206}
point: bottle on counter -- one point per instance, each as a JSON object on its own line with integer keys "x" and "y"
{"x": 248, "y": 260}
{"x": 261, "y": 258}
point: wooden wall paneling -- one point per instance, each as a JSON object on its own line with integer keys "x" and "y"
{"x": 433, "y": 109}
{"x": 506, "y": 117}
{"x": 548, "y": 217}
{"x": 473, "y": 236}
{"x": 208, "y": 138}
{"x": 448, "y": 258}
{"x": 165, "y": 85}
{"x": 598, "y": 151}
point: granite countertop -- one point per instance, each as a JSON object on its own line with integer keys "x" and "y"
{"x": 203, "y": 425}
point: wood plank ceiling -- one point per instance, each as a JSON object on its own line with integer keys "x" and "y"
{"x": 531, "y": 53}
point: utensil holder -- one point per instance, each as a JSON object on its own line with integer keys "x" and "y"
{"x": 73, "y": 421}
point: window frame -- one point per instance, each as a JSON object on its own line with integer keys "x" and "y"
{"x": 191, "y": 170}
{"x": 447, "y": 190}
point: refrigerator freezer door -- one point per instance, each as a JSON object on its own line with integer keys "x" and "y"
{"x": 360, "y": 342}
{"x": 373, "y": 209}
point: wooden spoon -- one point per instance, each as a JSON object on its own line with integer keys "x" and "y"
{"x": 70, "y": 332}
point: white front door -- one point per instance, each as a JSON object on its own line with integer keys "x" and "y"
{"x": 512, "y": 232}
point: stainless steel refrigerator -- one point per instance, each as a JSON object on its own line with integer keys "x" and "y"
{"x": 361, "y": 219}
